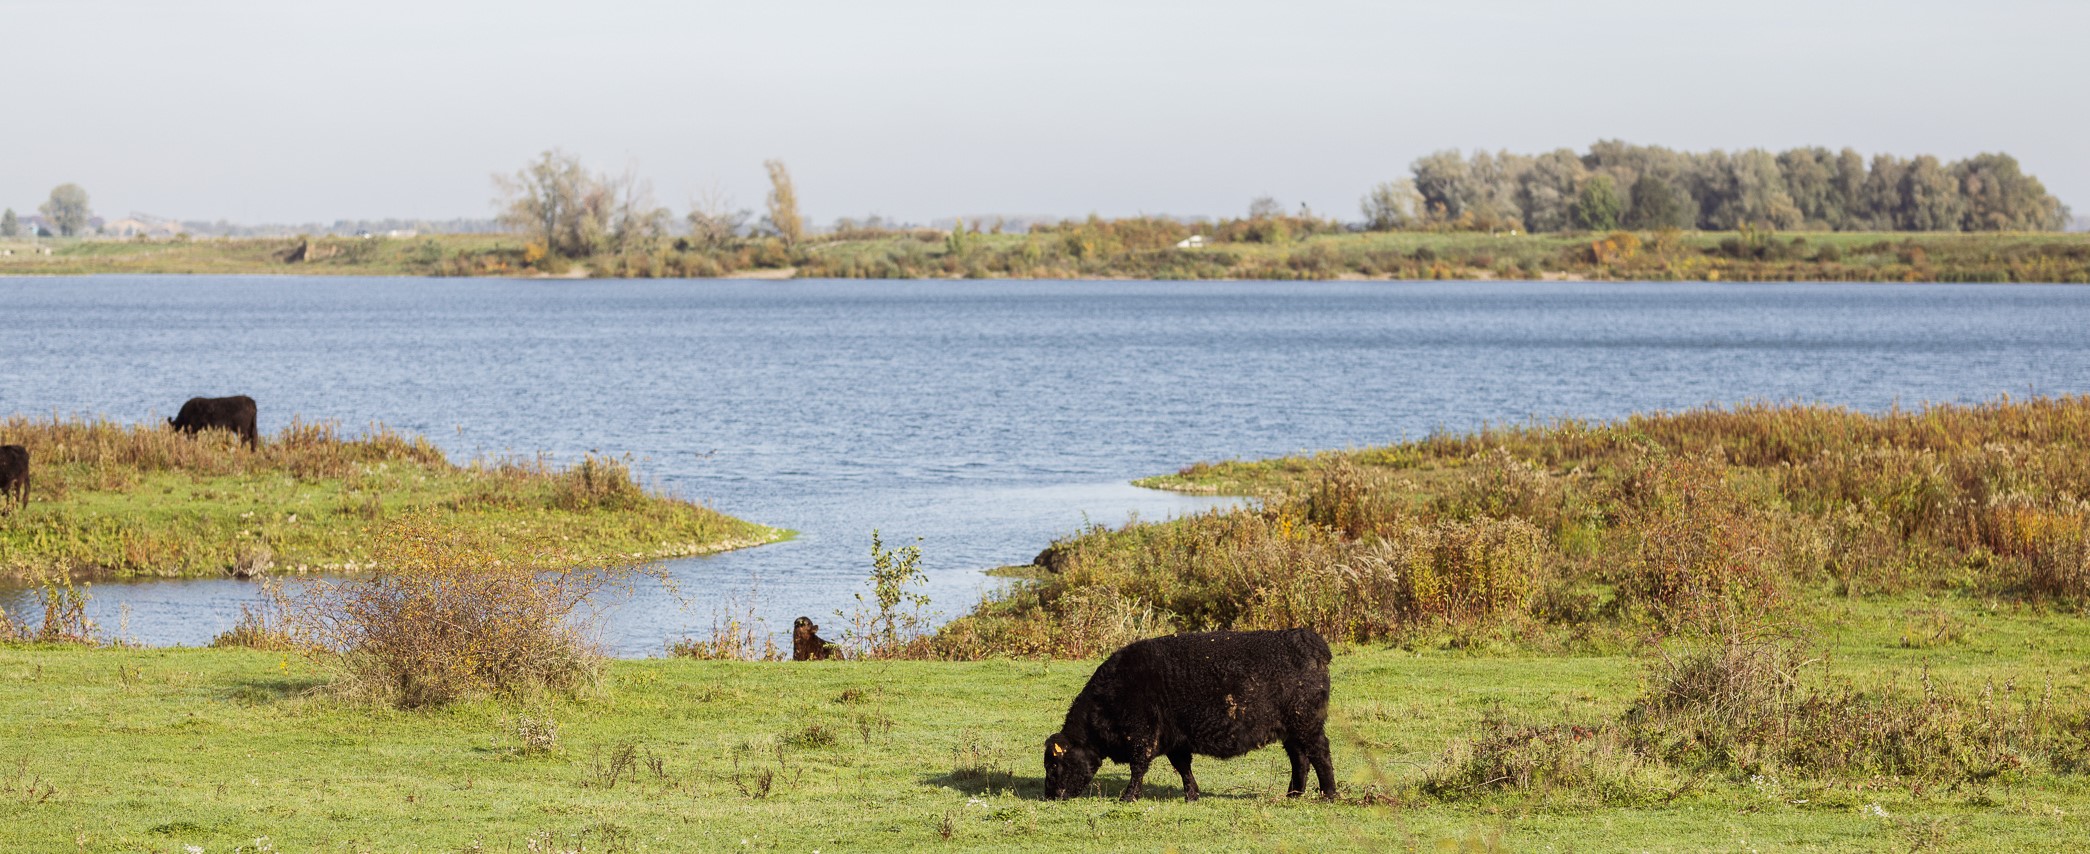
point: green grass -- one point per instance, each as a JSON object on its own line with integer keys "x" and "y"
{"x": 154, "y": 750}
{"x": 1143, "y": 249}
{"x": 120, "y": 500}
{"x": 444, "y": 254}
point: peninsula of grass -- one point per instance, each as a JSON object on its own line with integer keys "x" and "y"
{"x": 1126, "y": 249}
{"x": 121, "y": 500}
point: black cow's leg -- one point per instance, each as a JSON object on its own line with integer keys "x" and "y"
{"x": 1139, "y": 774}
{"x": 1181, "y": 759}
{"x": 1297, "y": 753}
{"x": 1324, "y": 765}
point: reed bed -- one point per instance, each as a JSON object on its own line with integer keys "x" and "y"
{"x": 1575, "y": 530}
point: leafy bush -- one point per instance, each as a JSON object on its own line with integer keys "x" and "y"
{"x": 890, "y": 631}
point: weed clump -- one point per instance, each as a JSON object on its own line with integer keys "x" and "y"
{"x": 261, "y": 625}
{"x": 1746, "y": 705}
{"x": 1587, "y": 762}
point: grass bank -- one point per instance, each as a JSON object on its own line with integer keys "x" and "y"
{"x": 1141, "y": 249}
{"x": 110, "y": 499}
{"x": 156, "y": 750}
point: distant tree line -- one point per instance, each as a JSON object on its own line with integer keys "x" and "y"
{"x": 1619, "y": 185}
{"x": 568, "y": 211}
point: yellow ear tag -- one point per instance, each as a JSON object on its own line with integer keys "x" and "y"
{"x": 1059, "y": 750}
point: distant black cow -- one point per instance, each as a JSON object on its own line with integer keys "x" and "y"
{"x": 1217, "y": 694}
{"x": 234, "y": 413}
{"x": 14, "y": 475}
{"x": 806, "y": 643}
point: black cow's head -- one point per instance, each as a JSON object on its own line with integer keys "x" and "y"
{"x": 1068, "y": 767}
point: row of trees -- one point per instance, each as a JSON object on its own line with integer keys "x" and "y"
{"x": 575, "y": 213}
{"x": 66, "y": 212}
{"x": 1616, "y": 184}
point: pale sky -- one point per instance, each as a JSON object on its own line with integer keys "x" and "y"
{"x": 297, "y": 112}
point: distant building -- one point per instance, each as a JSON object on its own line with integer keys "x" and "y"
{"x": 1192, "y": 242}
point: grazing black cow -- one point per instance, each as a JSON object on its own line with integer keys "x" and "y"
{"x": 14, "y": 475}
{"x": 1217, "y": 694}
{"x": 234, "y": 413}
{"x": 806, "y": 644}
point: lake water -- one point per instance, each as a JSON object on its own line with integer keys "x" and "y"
{"x": 985, "y": 418}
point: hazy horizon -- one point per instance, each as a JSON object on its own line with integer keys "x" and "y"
{"x": 259, "y": 113}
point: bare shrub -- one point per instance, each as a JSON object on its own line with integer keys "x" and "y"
{"x": 814, "y": 735}
{"x": 441, "y": 620}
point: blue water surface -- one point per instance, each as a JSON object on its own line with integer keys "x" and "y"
{"x": 985, "y": 418}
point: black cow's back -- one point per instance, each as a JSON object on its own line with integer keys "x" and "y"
{"x": 14, "y": 474}
{"x": 236, "y": 413}
{"x": 1217, "y": 693}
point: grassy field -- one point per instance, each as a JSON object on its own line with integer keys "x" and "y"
{"x": 1131, "y": 249}
{"x": 159, "y": 750}
{"x": 1760, "y": 628}
{"x": 112, "y": 499}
